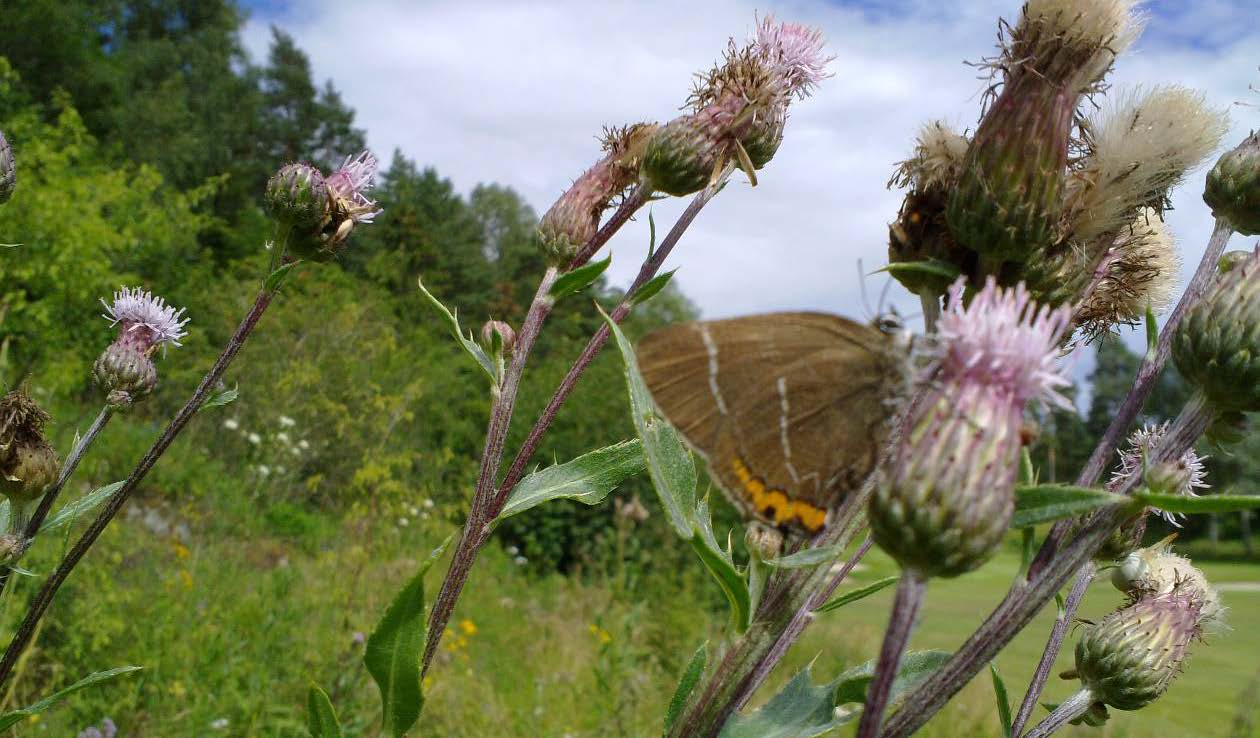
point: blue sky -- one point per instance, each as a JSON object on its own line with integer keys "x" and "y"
{"x": 515, "y": 93}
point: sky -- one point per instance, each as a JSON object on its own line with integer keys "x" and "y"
{"x": 516, "y": 93}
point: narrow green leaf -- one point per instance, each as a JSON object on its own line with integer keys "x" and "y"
{"x": 472, "y": 347}
{"x": 218, "y": 399}
{"x": 9, "y": 719}
{"x": 654, "y": 285}
{"x": 1003, "y": 701}
{"x": 588, "y": 478}
{"x": 321, "y": 718}
{"x": 1027, "y": 549}
{"x": 571, "y": 283}
{"x": 1042, "y": 503}
{"x": 276, "y": 278}
{"x": 801, "y": 709}
{"x": 73, "y": 510}
{"x": 669, "y": 462}
{"x": 651, "y": 234}
{"x": 1152, "y": 331}
{"x": 807, "y": 557}
{"x": 915, "y": 667}
{"x": 1196, "y": 505}
{"x": 1059, "y": 605}
{"x": 839, "y": 601}
{"x": 722, "y": 567}
{"x": 690, "y": 675}
{"x": 932, "y": 267}
{"x": 1027, "y": 474}
{"x": 394, "y": 649}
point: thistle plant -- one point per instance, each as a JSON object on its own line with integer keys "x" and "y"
{"x": 1026, "y": 237}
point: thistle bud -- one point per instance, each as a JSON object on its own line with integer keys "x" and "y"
{"x": 1156, "y": 570}
{"x": 297, "y": 196}
{"x": 125, "y": 374}
{"x": 1233, "y": 186}
{"x": 1008, "y": 202}
{"x": 1217, "y": 345}
{"x": 1181, "y": 476}
{"x": 27, "y": 463}
{"x": 763, "y": 542}
{"x": 1128, "y": 659}
{"x": 348, "y": 206}
{"x": 574, "y": 219}
{"x": 920, "y": 232}
{"x": 947, "y": 494}
{"x": 496, "y": 331}
{"x": 8, "y": 170}
{"x": 738, "y": 109}
{"x": 125, "y": 369}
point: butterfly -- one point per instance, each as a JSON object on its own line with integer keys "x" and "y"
{"x": 789, "y": 410}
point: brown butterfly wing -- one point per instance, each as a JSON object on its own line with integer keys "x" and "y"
{"x": 789, "y": 409}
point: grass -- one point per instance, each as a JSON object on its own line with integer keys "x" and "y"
{"x": 233, "y": 619}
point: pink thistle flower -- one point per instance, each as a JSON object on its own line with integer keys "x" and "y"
{"x": 1005, "y": 341}
{"x": 1183, "y": 476}
{"x": 349, "y": 184}
{"x": 147, "y": 320}
{"x": 794, "y": 55}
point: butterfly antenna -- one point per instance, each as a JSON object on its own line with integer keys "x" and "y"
{"x": 866, "y": 301}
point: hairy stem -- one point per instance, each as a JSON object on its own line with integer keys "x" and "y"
{"x": 646, "y": 272}
{"x": 487, "y": 503}
{"x": 45, "y": 596}
{"x": 910, "y": 591}
{"x": 1067, "y": 711}
{"x": 1057, "y": 633}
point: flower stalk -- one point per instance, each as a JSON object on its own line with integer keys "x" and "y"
{"x": 1067, "y": 711}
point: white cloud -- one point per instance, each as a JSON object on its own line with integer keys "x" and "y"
{"x": 515, "y": 93}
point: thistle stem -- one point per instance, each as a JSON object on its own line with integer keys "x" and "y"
{"x": 931, "y": 303}
{"x": 487, "y": 503}
{"x": 910, "y": 591}
{"x": 1084, "y": 576}
{"x": 67, "y": 470}
{"x": 1067, "y": 711}
{"x": 45, "y": 596}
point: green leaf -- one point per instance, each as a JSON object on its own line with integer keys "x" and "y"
{"x": 722, "y": 567}
{"x": 9, "y": 719}
{"x": 1152, "y": 331}
{"x": 653, "y": 286}
{"x": 321, "y": 718}
{"x": 1027, "y": 549}
{"x": 588, "y": 478}
{"x": 933, "y": 267}
{"x": 472, "y": 347}
{"x": 394, "y": 649}
{"x": 219, "y": 399}
{"x": 1027, "y": 474}
{"x": 1003, "y": 701}
{"x": 1194, "y": 505}
{"x": 690, "y": 675}
{"x": 651, "y": 234}
{"x": 839, "y": 601}
{"x": 801, "y": 709}
{"x": 276, "y": 278}
{"x": 915, "y": 666}
{"x": 72, "y": 511}
{"x": 807, "y": 557}
{"x": 1040, "y": 503}
{"x": 579, "y": 279}
{"x": 669, "y": 462}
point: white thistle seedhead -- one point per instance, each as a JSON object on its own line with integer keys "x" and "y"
{"x": 350, "y": 183}
{"x": 1155, "y": 571}
{"x": 794, "y": 54}
{"x": 1005, "y": 341}
{"x": 1143, "y": 145}
{"x": 145, "y": 318}
{"x": 1083, "y": 36}
{"x": 1142, "y": 272}
{"x": 1187, "y": 473}
{"x": 939, "y": 152}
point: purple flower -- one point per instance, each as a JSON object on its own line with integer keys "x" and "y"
{"x": 793, "y": 53}
{"x": 147, "y": 321}
{"x": 349, "y": 184}
{"x": 1182, "y": 476}
{"x": 1005, "y": 341}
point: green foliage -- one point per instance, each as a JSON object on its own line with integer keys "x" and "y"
{"x": 860, "y": 593}
{"x": 588, "y": 479}
{"x": 394, "y": 649}
{"x": 320, "y": 716}
{"x": 686, "y": 683}
{"x": 9, "y": 719}
{"x": 1041, "y": 503}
